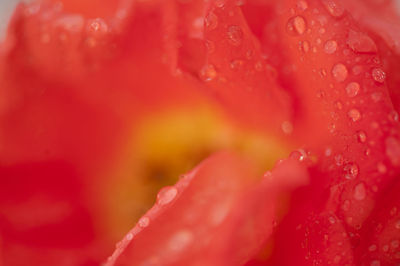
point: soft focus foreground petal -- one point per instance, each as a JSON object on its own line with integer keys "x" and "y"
{"x": 73, "y": 91}
{"x": 236, "y": 71}
{"x": 218, "y": 214}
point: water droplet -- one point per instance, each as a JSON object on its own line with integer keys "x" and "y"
{"x": 166, "y": 195}
{"x": 180, "y": 240}
{"x": 360, "y": 192}
{"x": 339, "y": 105}
{"x": 352, "y": 89}
{"x": 385, "y": 248}
{"x": 208, "y": 72}
{"x": 375, "y": 263}
{"x": 397, "y": 225}
{"x": 333, "y": 8}
{"x": 351, "y": 171}
{"x": 299, "y": 155}
{"x": 339, "y": 72}
{"x": 378, "y": 75}
{"x": 339, "y": 159}
{"x": 395, "y": 244}
{"x": 236, "y": 64}
{"x": 211, "y": 21}
{"x": 372, "y": 248}
{"x": 306, "y": 46}
{"x": 302, "y": 5}
{"x": 394, "y": 116}
{"x": 330, "y": 47}
{"x": 144, "y": 222}
{"x": 362, "y": 137}
{"x": 360, "y": 42}
{"x": 354, "y": 114}
{"x": 296, "y": 25}
{"x": 235, "y": 35}
{"x": 287, "y": 127}
{"x": 346, "y": 205}
{"x": 97, "y": 25}
{"x": 393, "y": 150}
{"x": 129, "y": 236}
{"x": 381, "y": 168}
{"x": 332, "y": 219}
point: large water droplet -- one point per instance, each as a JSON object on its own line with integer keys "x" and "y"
{"x": 330, "y": 46}
{"x": 296, "y": 25}
{"x": 333, "y": 8}
{"x": 360, "y": 192}
{"x": 352, "y": 89}
{"x": 372, "y": 248}
{"x": 235, "y": 35}
{"x": 97, "y": 25}
{"x": 378, "y": 75}
{"x": 166, "y": 195}
{"x": 354, "y": 115}
{"x": 360, "y": 42}
{"x": 339, "y": 72}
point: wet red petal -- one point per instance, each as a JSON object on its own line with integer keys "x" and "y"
{"x": 215, "y": 215}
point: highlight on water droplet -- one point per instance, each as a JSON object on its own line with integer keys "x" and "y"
{"x": 378, "y": 75}
{"x": 352, "y": 89}
{"x": 235, "y": 35}
{"x": 354, "y": 114}
{"x": 351, "y": 171}
{"x": 340, "y": 72}
{"x": 362, "y": 137}
{"x": 330, "y": 46}
{"x": 360, "y": 192}
{"x": 296, "y": 26}
{"x": 144, "y": 221}
{"x": 333, "y": 8}
{"x": 208, "y": 72}
{"x": 166, "y": 195}
{"x": 360, "y": 42}
{"x": 129, "y": 236}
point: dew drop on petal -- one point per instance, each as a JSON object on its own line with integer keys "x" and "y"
{"x": 180, "y": 240}
{"x": 235, "y": 35}
{"x": 354, "y": 115}
{"x": 375, "y": 263}
{"x": 372, "y": 248}
{"x": 346, "y": 205}
{"x": 208, "y": 72}
{"x": 211, "y": 21}
{"x": 302, "y": 5}
{"x": 339, "y": 72}
{"x": 129, "y": 236}
{"x": 362, "y": 137}
{"x": 381, "y": 168}
{"x": 352, "y": 89}
{"x": 393, "y": 150}
{"x": 360, "y": 42}
{"x": 397, "y": 225}
{"x": 378, "y": 75}
{"x": 144, "y": 222}
{"x": 306, "y": 46}
{"x": 333, "y": 8}
{"x": 287, "y": 127}
{"x": 351, "y": 171}
{"x": 166, "y": 195}
{"x": 330, "y": 46}
{"x": 360, "y": 192}
{"x": 296, "y": 25}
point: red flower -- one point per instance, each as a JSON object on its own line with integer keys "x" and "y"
{"x": 289, "y": 109}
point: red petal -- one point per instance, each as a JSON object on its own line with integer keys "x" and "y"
{"x": 215, "y": 215}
